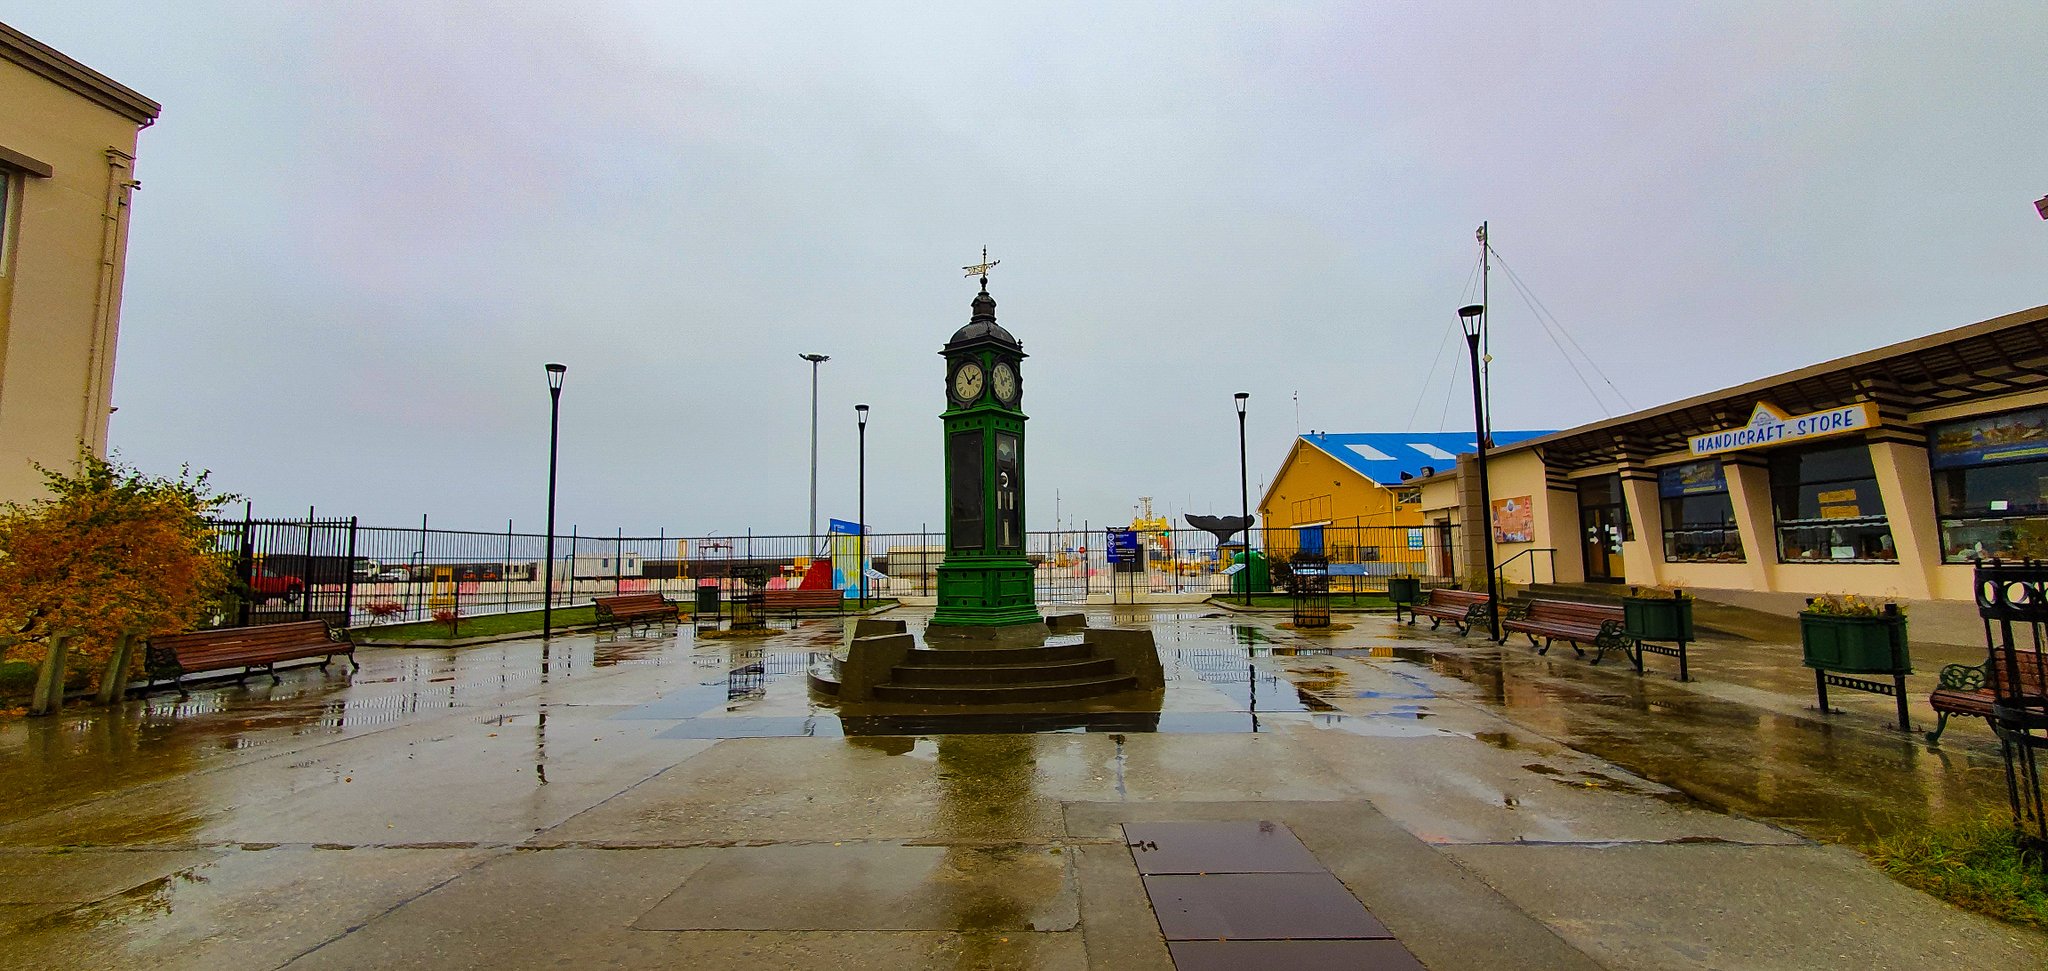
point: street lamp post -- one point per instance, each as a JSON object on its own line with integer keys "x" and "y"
{"x": 1244, "y": 497}
{"x": 815, "y": 359}
{"x": 861, "y": 510}
{"x": 547, "y": 608}
{"x": 1473, "y": 319}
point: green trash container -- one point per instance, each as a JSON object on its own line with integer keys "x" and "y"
{"x": 1256, "y": 574}
{"x": 707, "y": 601}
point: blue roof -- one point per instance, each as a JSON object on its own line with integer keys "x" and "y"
{"x": 1383, "y": 456}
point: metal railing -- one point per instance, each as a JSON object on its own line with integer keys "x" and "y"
{"x": 356, "y": 575}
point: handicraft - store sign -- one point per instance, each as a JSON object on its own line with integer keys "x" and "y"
{"x": 1769, "y": 426}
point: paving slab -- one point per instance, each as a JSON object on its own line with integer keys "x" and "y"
{"x": 953, "y": 789}
{"x": 874, "y": 886}
{"x": 1461, "y": 790}
{"x": 1293, "y": 955}
{"x": 1448, "y": 917}
{"x": 83, "y": 877}
{"x": 242, "y": 910}
{"x": 1116, "y": 918}
{"x": 1763, "y": 908}
{"x": 513, "y": 771}
{"x": 575, "y": 908}
{"x": 1244, "y": 846}
{"x": 1237, "y": 768}
{"x": 1257, "y": 907}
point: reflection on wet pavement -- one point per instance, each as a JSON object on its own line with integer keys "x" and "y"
{"x": 469, "y": 778}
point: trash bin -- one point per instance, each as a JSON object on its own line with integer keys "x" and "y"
{"x": 707, "y": 601}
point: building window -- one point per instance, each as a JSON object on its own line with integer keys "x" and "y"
{"x": 1828, "y": 507}
{"x": 1314, "y": 509}
{"x": 1991, "y": 486}
{"x": 1699, "y": 518}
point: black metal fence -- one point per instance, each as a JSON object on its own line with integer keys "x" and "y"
{"x": 344, "y": 571}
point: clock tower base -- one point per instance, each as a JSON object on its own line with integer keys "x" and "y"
{"x": 984, "y": 594}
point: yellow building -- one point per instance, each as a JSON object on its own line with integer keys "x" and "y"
{"x": 67, "y": 154}
{"x": 1356, "y": 499}
{"x": 1886, "y": 474}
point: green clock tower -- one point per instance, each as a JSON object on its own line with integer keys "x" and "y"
{"x": 985, "y": 582}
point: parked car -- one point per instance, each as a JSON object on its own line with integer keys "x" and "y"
{"x": 394, "y": 575}
{"x": 267, "y": 585}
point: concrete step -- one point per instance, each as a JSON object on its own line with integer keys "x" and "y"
{"x": 932, "y": 674}
{"x": 947, "y": 657}
{"x": 1070, "y": 689}
{"x": 1592, "y": 593}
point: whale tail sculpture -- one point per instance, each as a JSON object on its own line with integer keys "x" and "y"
{"x": 1223, "y": 527}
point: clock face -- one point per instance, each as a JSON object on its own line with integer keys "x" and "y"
{"x": 1005, "y": 384}
{"x": 967, "y": 383}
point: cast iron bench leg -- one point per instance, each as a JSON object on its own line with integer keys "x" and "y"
{"x": 1934, "y": 737}
{"x": 1899, "y": 689}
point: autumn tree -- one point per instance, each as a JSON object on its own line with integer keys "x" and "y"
{"x": 109, "y": 551}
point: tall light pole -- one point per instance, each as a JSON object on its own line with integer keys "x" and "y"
{"x": 547, "y": 607}
{"x": 861, "y": 510}
{"x": 1244, "y": 496}
{"x": 815, "y": 359}
{"x": 1473, "y": 319}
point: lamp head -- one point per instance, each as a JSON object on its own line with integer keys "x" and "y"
{"x": 555, "y": 372}
{"x": 2041, "y": 206}
{"x": 1471, "y": 317}
{"x": 1240, "y": 397}
{"x": 815, "y": 358}
{"x": 861, "y": 412}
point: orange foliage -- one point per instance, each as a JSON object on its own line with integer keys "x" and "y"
{"x": 109, "y": 551}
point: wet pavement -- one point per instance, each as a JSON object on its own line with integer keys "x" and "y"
{"x": 647, "y": 802}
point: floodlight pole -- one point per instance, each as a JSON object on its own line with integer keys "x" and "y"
{"x": 815, "y": 359}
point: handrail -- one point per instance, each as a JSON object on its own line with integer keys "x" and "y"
{"x": 1500, "y": 571}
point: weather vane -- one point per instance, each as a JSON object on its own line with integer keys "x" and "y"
{"x": 981, "y": 269}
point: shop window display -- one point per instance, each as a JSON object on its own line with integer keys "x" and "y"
{"x": 1699, "y": 518}
{"x": 1828, "y": 507}
{"x": 1991, "y": 486}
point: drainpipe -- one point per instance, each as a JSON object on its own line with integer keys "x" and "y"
{"x": 106, "y": 301}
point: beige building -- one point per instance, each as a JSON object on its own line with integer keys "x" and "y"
{"x": 67, "y": 156}
{"x": 1886, "y": 473}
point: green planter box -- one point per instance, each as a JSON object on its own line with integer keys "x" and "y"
{"x": 1854, "y": 645}
{"x": 1655, "y": 619}
{"x": 1404, "y": 590}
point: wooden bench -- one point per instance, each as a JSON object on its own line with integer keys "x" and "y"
{"x": 1464, "y": 608}
{"x": 1598, "y": 625}
{"x": 170, "y": 657}
{"x": 632, "y": 609}
{"x": 1971, "y": 689}
{"x": 794, "y": 600}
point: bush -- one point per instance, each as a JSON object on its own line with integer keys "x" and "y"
{"x": 110, "y": 551}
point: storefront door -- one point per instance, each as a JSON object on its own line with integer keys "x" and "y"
{"x": 1603, "y": 529}
{"x": 1603, "y": 524}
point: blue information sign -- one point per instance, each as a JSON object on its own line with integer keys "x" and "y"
{"x": 1123, "y": 545}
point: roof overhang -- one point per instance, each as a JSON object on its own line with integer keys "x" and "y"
{"x": 1993, "y": 358}
{"x": 53, "y": 64}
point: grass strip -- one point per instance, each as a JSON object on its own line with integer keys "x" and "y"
{"x": 1986, "y": 866}
{"x": 525, "y": 621}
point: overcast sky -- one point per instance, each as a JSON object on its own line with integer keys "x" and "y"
{"x": 364, "y": 227}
